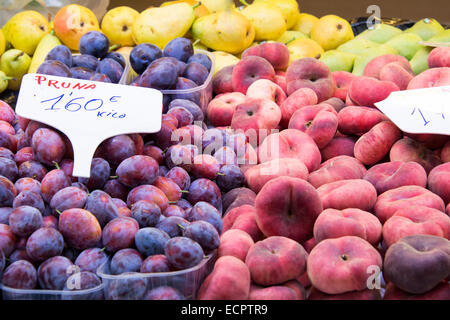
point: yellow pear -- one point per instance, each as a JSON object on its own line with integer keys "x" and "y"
{"x": 25, "y": 29}
{"x": 289, "y": 9}
{"x": 426, "y": 28}
{"x": 268, "y": 20}
{"x": 304, "y": 48}
{"x": 47, "y": 43}
{"x": 2, "y": 43}
{"x": 290, "y": 35}
{"x": 331, "y": 31}
{"x": 223, "y": 59}
{"x": 218, "y": 5}
{"x": 305, "y": 23}
{"x": 160, "y": 25}
{"x": 228, "y": 31}
{"x": 117, "y": 25}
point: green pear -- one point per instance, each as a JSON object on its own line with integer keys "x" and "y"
{"x": 419, "y": 63}
{"x": 15, "y": 63}
{"x": 4, "y": 81}
{"x": 379, "y": 33}
{"x": 357, "y": 46}
{"x": 228, "y": 31}
{"x": 407, "y": 44}
{"x": 338, "y": 60}
{"x": 426, "y": 28}
{"x": 362, "y": 60}
{"x": 160, "y": 25}
{"x": 444, "y": 36}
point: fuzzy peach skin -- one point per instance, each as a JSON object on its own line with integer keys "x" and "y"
{"x": 320, "y": 122}
{"x": 256, "y": 118}
{"x": 402, "y": 197}
{"x": 230, "y": 280}
{"x": 418, "y": 263}
{"x": 338, "y": 146}
{"x": 271, "y": 293}
{"x": 222, "y": 80}
{"x": 290, "y": 143}
{"x": 343, "y": 79}
{"x": 431, "y": 141}
{"x": 396, "y": 73}
{"x": 243, "y": 218}
{"x": 366, "y": 91}
{"x": 248, "y": 70}
{"x": 221, "y": 109}
{"x": 343, "y": 194}
{"x": 275, "y": 260}
{"x": 336, "y": 169}
{"x": 257, "y": 176}
{"x": 439, "y": 57}
{"x": 391, "y": 175}
{"x": 367, "y": 294}
{"x": 435, "y": 77}
{"x": 276, "y": 53}
{"x": 288, "y": 207}
{"x": 298, "y": 288}
{"x": 416, "y": 220}
{"x": 296, "y": 100}
{"x": 445, "y": 153}
{"x": 407, "y": 149}
{"x": 235, "y": 243}
{"x": 439, "y": 181}
{"x": 376, "y": 143}
{"x": 374, "y": 67}
{"x": 333, "y": 223}
{"x": 310, "y": 73}
{"x": 356, "y": 120}
{"x": 336, "y": 103}
{"x": 266, "y": 89}
{"x": 341, "y": 265}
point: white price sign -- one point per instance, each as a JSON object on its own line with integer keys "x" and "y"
{"x": 88, "y": 112}
{"x": 420, "y": 110}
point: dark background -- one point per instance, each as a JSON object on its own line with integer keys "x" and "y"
{"x": 406, "y": 9}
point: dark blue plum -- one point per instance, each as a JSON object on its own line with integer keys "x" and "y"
{"x": 111, "y": 68}
{"x": 81, "y": 73}
{"x": 94, "y": 43}
{"x": 196, "y": 72}
{"x": 191, "y": 106}
{"x": 201, "y": 58}
{"x": 117, "y": 57}
{"x": 146, "y": 213}
{"x": 181, "y": 66}
{"x": 142, "y": 55}
{"x": 230, "y": 177}
{"x": 126, "y": 260}
{"x": 179, "y": 48}
{"x": 54, "y": 68}
{"x": 204, "y": 234}
{"x": 150, "y": 241}
{"x": 160, "y": 76}
{"x": 100, "y": 77}
{"x": 85, "y": 61}
{"x": 62, "y": 54}
{"x": 173, "y": 226}
{"x": 185, "y": 84}
{"x": 164, "y": 293}
{"x": 183, "y": 253}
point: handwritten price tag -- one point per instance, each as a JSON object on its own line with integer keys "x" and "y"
{"x": 88, "y": 112}
{"x": 420, "y": 110}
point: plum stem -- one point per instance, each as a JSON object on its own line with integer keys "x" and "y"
{"x": 113, "y": 177}
{"x": 56, "y": 165}
{"x": 173, "y": 202}
{"x": 184, "y": 191}
{"x": 182, "y": 228}
{"x": 58, "y": 212}
{"x": 195, "y": 6}
{"x": 114, "y": 47}
{"x": 102, "y": 249}
{"x": 221, "y": 174}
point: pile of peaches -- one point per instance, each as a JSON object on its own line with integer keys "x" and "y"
{"x": 339, "y": 203}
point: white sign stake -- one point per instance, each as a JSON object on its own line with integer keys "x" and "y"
{"x": 88, "y": 112}
{"x": 420, "y": 110}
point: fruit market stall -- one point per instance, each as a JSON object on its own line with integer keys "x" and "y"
{"x": 247, "y": 151}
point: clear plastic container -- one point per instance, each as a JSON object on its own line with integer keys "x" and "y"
{"x": 134, "y": 286}
{"x": 21, "y": 294}
{"x": 201, "y": 95}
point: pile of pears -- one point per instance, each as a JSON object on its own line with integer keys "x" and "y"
{"x": 218, "y": 26}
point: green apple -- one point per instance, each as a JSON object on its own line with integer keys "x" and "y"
{"x": 15, "y": 63}
{"x": 380, "y": 33}
{"x": 357, "y": 46}
{"x": 426, "y": 28}
{"x": 338, "y": 60}
{"x": 419, "y": 63}
{"x": 362, "y": 60}
{"x": 407, "y": 44}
